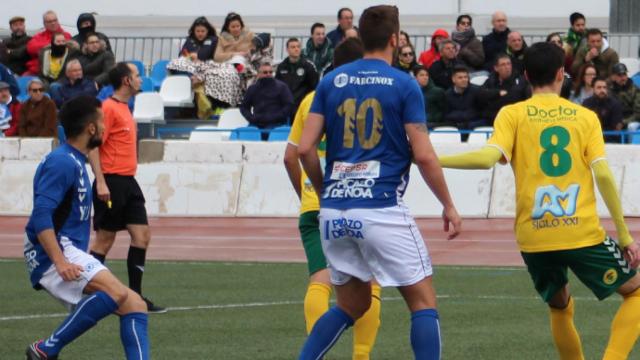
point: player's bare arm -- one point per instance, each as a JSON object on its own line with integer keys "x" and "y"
{"x": 101, "y": 184}
{"x": 427, "y": 161}
{"x": 307, "y": 150}
{"x": 608, "y": 189}
{"x": 292, "y": 164}
{"x": 67, "y": 270}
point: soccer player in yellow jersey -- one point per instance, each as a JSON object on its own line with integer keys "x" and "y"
{"x": 554, "y": 146}
{"x": 316, "y": 301}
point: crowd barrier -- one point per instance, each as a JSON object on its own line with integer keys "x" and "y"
{"x": 247, "y": 179}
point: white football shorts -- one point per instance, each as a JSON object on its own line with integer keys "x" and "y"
{"x": 69, "y": 293}
{"x": 384, "y": 244}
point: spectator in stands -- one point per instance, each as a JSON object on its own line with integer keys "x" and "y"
{"x": 462, "y": 102}
{"x": 12, "y": 113}
{"x": 434, "y": 100}
{"x": 404, "y": 39}
{"x": 597, "y": 52}
{"x": 515, "y": 49}
{"x": 96, "y": 60}
{"x": 503, "y": 87}
{"x": 234, "y": 42}
{"x": 345, "y": 22}
{"x": 7, "y": 76}
{"x": 470, "y": 50}
{"x": 267, "y": 103}
{"x": 54, "y": 58}
{"x": 608, "y": 108}
{"x": 442, "y": 70}
{"x": 406, "y": 59}
{"x": 13, "y": 50}
{"x": 38, "y": 114}
{"x": 202, "y": 41}
{"x": 74, "y": 84}
{"x": 87, "y": 25}
{"x": 576, "y": 34}
{"x": 428, "y": 57}
{"x": 556, "y": 39}
{"x": 495, "y": 42}
{"x": 319, "y": 48}
{"x": 298, "y": 73}
{"x": 42, "y": 39}
{"x": 350, "y": 33}
{"x": 623, "y": 89}
{"x": 582, "y": 89}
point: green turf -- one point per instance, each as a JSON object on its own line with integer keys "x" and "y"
{"x": 486, "y": 313}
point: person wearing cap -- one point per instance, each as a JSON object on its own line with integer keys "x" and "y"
{"x": 13, "y": 50}
{"x": 623, "y": 89}
{"x": 9, "y": 115}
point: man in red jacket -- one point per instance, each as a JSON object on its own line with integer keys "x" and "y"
{"x": 42, "y": 39}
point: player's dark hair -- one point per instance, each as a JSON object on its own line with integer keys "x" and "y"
{"x": 542, "y": 61}
{"x": 596, "y": 79}
{"x": 459, "y": 69}
{"x": 292, "y": 39}
{"x": 377, "y": 24}
{"x": 416, "y": 70}
{"x": 575, "y": 17}
{"x": 464, "y": 16}
{"x": 315, "y": 26}
{"x": 342, "y": 10}
{"x": 594, "y": 32}
{"x": 77, "y": 113}
{"x": 118, "y": 73}
{"x": 349, "y": 50}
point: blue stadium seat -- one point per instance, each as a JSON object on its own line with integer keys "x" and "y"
{"x": 248, "y": 133}
{"x": 23, "y": 83}
{"x": 158, "y": 73}
{"x": 636, "y": 79}
{"x": 281, "y": 133}
{"x": 62, "y": 138}
{"x": 147, "y": 84}
{"x": 140, "y": 65}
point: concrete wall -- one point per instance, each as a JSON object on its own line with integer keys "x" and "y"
{"x": 181, "y": 178}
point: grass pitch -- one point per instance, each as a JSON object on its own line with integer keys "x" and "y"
{"x": 254, "y": 311}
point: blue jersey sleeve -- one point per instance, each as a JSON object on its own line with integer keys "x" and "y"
{"x": 413, "y": 110}
{"x": 54, "y": 180}
{"x": 318, "y": 104}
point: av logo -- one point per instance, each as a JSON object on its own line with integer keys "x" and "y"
{"x": 555, "y": 201}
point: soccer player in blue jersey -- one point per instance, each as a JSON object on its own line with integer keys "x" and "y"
{"x": 57, "y": 238}
{"x": 374, "y": 121}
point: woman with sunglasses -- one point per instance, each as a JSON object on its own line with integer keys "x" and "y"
{"x": 406, "y": 59}
{"x": 38, "y": 114}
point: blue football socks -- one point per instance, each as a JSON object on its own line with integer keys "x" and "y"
{"x": 425, "y": 334}
{"x": 325, "y": 333}
{"x": 133, "y": 334}
{"x": 87, "y": 313}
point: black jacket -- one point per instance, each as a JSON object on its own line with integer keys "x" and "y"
{"x": 493, "y": 44}
{"x": 609, "y": 111}
{"x": 434, "y": 102}
{"x": 97, "y": 66}
{"x": 267, "y": 103}
{"x": 301, "y": 77}
{"x": 440, "y": 72}
{"x": 83, "y": 32}
{"x": 517, "y": 89}
{"x": 205, "y": 49}
{"x": 461, "y": 108}
{"x": 13, "y": 53}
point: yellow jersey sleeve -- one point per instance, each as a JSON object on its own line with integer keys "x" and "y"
{"x": 595, "y": 143}
{"x": 504, "y": 132}
{"x": 300, "y": 118}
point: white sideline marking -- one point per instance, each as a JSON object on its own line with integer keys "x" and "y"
{"x": 281, "y": 303}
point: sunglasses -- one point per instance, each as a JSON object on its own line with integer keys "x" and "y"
{"x": 407, "y": 54}
{"x": 37, "y": 90}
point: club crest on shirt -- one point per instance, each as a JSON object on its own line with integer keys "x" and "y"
{"x": 341, "y": 80}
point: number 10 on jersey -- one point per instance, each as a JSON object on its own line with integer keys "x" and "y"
{"x": 355, "y": 121}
